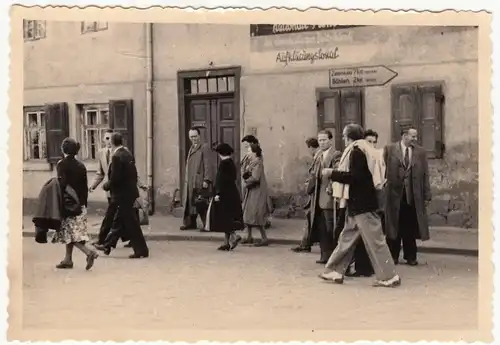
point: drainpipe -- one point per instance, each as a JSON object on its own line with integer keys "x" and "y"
{"x": 149, "y": 114}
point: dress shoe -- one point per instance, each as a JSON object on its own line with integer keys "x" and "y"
{"x": 333, "y": 276}
{"x": 301, "y": 249}
{"x": 103, "y": 248}
{"x": 412, "y": 262}
{"x": 184, "y": 227}
{"x": 138, "y": 256}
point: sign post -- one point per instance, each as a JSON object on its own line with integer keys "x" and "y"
{"x": 361, "y": 76}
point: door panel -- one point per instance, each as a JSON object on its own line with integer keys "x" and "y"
{"x": 199, "y": 117}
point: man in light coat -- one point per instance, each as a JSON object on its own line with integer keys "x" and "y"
{"x": 197, "y": 181}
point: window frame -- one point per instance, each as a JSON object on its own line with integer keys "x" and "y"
{"x": 99, "y": 127}
{"x": 96, "y": 27}
{"x": 418, "y": 91}
{"x": 41, "y": 124}
{"x": 37, "y": 33}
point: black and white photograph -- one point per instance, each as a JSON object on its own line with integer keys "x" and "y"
{"x": 254, "y": 176}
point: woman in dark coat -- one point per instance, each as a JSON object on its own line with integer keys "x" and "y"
{"x": 226, "y": 214}
{"x": 73, "y": 232}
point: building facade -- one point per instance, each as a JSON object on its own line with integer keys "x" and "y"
{"x": 279, "y": 82}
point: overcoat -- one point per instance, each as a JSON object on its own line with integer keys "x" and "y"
{"x": 247, "y": 158}
{"x": 255, "y": 201}
{"x": 198, "y": 169}
{"x": 419, "y": 177}
{"x": 315, "y": 182}
{"x": 226, "y": 215}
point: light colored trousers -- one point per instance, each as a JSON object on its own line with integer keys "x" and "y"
{"x": 368, "y": 227}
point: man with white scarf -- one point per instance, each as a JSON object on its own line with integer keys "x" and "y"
{"x": 356, "y": 180}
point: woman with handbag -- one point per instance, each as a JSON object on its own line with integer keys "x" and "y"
{"x": 255, "y": 206}
{"x": 73, "y": 232}
{"x": 225, "y": 213}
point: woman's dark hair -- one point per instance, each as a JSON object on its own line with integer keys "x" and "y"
{"x": 224, "y": 149}
{"x": 70, "y": 146}
{"x": 256, "y": 149}
{"x": 312, "y": 142}
{"x": 250, "y": 139}
{"x": 354, "y": 131}
{"x": 371, "y": 133}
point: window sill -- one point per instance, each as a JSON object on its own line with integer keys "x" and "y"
{"x": 36, "y": 166}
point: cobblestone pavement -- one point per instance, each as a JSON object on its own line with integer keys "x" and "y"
{"x": 190, "y": 285}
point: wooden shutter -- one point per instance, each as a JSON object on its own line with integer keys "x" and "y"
{"x": 430, "y": 120}
{"x": 121, "y": 120}
{"x": 404, "y": 109}
{"x": 351, "y": 105}
{"x": 57, "y": 129}
{"x": 328, "y": 110}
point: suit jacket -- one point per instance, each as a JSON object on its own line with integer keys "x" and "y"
{"x": 102, "y": 171}
{"x": 48, "y": 213}
{"x": 122, "y": 176}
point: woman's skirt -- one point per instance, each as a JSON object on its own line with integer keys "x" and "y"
{"x": 73, "y": 229}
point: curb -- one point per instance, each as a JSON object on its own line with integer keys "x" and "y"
{"x": 282, "y": 241}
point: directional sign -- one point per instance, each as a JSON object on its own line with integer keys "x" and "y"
{"x": 361, "y": 76}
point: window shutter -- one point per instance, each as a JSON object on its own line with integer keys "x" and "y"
{"x": 431, "y": 126}
{"x": 121, "y": 120}
{"x": 352, "y": 112}
{"x": 404, "y": 109}
{"x": 328, "y": 111}
{"x": 57, "y": 129}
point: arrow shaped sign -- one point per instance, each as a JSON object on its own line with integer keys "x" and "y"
{"x": 361, "y": 76}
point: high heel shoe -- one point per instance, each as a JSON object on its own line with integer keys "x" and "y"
{"x": 235, "y": 242}
{"x": 64, "y": 265}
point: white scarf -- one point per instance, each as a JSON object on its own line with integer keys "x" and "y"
{"x": 376, "y": 165}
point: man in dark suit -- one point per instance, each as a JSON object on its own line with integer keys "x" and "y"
{"x": 408, "y": 193}
{"x": 122, "y": 185}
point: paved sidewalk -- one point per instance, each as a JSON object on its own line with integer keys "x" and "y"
{"x": 444, "y": 240}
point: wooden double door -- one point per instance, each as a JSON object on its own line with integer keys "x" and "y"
{"x": 218, "y": 122}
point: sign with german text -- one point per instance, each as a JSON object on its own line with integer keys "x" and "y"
{"x": 361, "y": 76}
{"x": 277, "y": 29}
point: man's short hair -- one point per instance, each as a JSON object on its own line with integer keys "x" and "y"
{"x": 354, "y": 131}
{"x": 327, "y": 132}
{"x": 251, "y": 139}
{"x": 312, "y": 142}
{"x": 116, "y": 139}
{"x": 406, "y": 129}
{"x": 371, "y": 133}
{"x": 195, "y": 129}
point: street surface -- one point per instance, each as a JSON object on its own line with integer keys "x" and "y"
{"x": 191, "y": 285}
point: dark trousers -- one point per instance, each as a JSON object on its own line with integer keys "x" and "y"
{"x": 324, "y": 221}
{"x": 107, "y": 222}
{"x": 407, "y": 233}
{"x": 126, "y": 222}
{"x": 190, "y": 219}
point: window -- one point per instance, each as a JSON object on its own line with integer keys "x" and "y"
{"x": 33, "y": 29}
{"x": 338, "y": 108}
{"x": 420, "y": 106}
{"x": 121, "y": 120}
{"x": 35, "y": 142}
{"x": 95, "y": 121}
{"x": 197, "y": 86}
{"x": 94, "y": 26}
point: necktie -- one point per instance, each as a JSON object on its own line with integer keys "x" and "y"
{"x": 107, "y": 156}
{"x": 407, "y": 157}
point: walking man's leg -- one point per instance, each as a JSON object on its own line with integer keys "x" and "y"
{"x": 106, "y": 222}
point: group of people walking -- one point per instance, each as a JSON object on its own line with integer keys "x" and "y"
{"x": 217, "y": 201}
{"x": 63, "y": 201}
{"x": 364, "y": 204}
